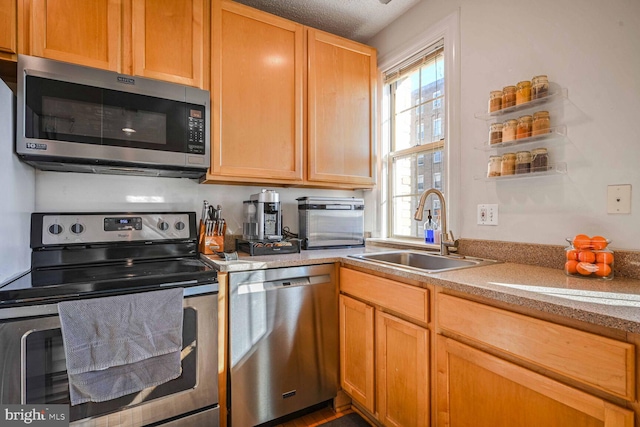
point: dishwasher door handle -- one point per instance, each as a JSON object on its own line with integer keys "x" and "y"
{"x": 249, "y": 288}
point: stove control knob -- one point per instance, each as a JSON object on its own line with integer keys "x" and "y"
{"x": 55, "y": 229}
{"x": 77, "y": 228}
{"x": 163, "y": 225}
{"x": 179, "y": 225}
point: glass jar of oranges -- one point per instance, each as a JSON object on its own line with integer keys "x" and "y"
{"x": 589, "y": 257}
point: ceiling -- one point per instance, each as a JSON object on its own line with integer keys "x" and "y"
{"x": 357, "y": 20}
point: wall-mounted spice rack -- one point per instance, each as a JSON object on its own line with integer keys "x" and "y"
{"x": 551, "y": 106}
{"x": 552, "y": 170}
{"x": 556, "y": 134}
{"x": 549, "y": 102}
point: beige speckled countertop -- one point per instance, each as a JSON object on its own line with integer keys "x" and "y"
{"x": 613, "y": 303}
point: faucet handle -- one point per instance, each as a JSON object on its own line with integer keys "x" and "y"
{"x": 450, "y": 242}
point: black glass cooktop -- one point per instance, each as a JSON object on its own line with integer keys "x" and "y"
{"x": 62, "y": 283}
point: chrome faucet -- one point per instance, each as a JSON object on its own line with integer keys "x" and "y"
{"x": 445, "y": 242}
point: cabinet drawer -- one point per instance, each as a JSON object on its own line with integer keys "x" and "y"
{"x": 601, "y": 362}
{"x": 403, "y": 299}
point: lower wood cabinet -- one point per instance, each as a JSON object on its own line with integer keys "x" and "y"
{"x": 357, "y": 351}
{"x": 491, "y": 367}
{"x": 402, "y": 372}
{"x": 477, "y": 389}
{"x": 384, "y": 360}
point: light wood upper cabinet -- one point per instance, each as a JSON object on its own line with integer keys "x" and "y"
{"x": 170, "y": 40}
{"x": 161, "y": 39}
{"x": 257, "y": 67}
{"x": 341, "y": 109}
{"x": 291, "y": 104}
{"x": 8, "y": 29}
{"x": 77, "y": 31}
{"x": 481, "y": 390}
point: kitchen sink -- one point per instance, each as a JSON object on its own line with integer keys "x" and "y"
{"x": 424, "y": 261}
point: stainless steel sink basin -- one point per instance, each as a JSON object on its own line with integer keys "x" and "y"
{"x": 423, "y": 261}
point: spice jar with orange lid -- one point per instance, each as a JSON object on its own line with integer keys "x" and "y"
{"x": 523, "y": 92}
{"x": 495, "y": 133}
{"x": 509, "y": 129}
{"x": 508, "y": 164}
{"x": 524, "y": 127}
{"x": 495, "y": 100}
{"x": 541, "y": 123}
{"x": 539, "y": 87}
{"x": 508, "y": 96}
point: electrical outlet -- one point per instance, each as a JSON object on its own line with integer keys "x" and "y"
{"x": 619, "y": 199}
{"x": 487, "y": 214}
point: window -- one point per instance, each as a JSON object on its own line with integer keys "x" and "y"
{"x": 437, "y": 157}
{"x": 437, "y": 128}
{"x": 414, "y": 111}
{"x": 437, "y": 181}
{"x": 437, "y": 101}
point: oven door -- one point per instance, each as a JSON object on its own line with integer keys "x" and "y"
{"x": 34, "y": 372}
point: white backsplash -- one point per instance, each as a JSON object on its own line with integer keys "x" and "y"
{"x": 58, "y": 191}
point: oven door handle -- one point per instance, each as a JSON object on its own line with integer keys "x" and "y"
{"x": 50, "y": 308}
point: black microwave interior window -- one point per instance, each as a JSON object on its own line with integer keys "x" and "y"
{"x": 73, "y": 112}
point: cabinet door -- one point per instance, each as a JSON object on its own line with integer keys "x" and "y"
{"x": 170, "y": 40}
{"x": 257, "y": 93}
{"x": 402, "y": 367}
{"x": 78, "y": 31}
{"x": 356, "y": 351}
{"x": 341, "y": 112}
{"x": 478, "y": 389}
{"x": 8, "y": 29}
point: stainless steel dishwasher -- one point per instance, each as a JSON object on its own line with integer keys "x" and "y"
{"x": 283, "y": 341}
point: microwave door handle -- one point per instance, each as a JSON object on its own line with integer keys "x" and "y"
{"x": 338, "y": 207}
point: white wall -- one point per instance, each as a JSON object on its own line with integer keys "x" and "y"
{"x": 590, "y": 47}
{"x": 59, "y": 192}
{"x": 17, "y": 196}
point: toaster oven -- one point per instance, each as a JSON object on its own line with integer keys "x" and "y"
{"x": 331, "y": 222}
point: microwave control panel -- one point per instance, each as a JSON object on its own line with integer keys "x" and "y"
{"x": 196, "y": 131}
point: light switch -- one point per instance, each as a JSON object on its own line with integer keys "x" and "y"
{"x": 619, "y": 199}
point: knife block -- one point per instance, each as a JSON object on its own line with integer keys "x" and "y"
{"x": 209, "y": 245}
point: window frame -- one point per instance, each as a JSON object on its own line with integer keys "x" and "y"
{"x": 448, "y": 30}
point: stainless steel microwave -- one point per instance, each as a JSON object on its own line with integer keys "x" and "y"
{"x": 79, "y": 119}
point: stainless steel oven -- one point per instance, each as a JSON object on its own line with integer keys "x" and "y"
{"x": 144, "y": 257}
{"x": 80, "y": 119}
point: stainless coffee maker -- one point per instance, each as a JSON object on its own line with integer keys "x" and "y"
{"x": 262, "y": 217}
